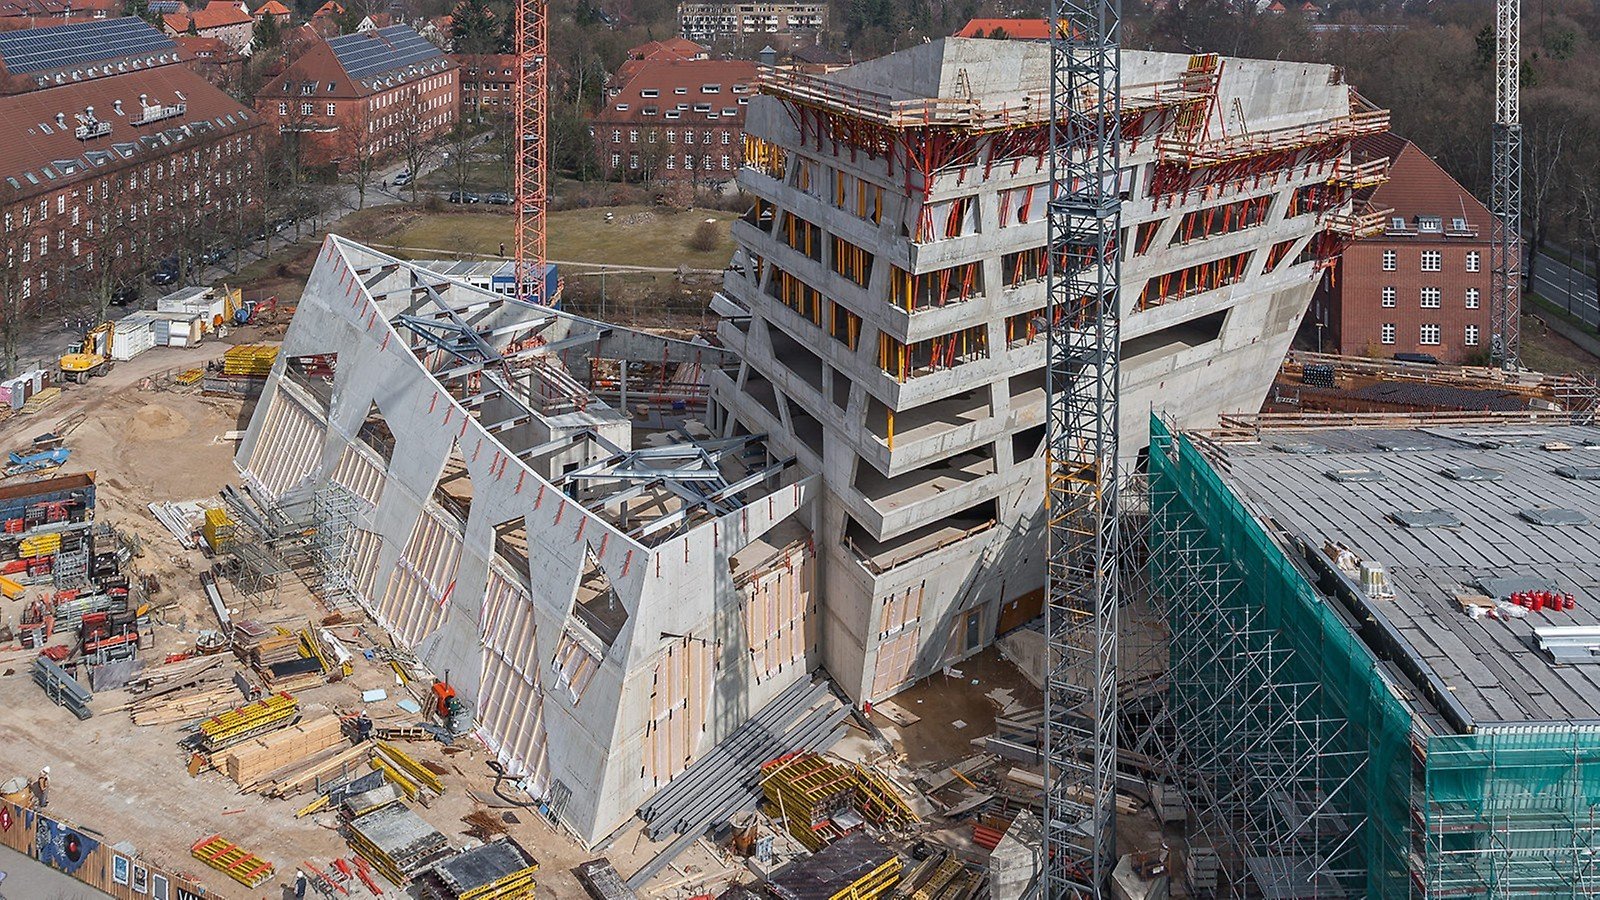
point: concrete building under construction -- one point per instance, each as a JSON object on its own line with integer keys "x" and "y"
{"x": 621, "y": 547}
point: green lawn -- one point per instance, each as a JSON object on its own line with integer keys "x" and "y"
{"x": 636, "y": 235}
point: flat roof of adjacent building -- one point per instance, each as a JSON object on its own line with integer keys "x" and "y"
{"x": 1474, "y": 497}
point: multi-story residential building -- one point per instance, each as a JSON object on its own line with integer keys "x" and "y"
{"x": 1423, "y": 285}
{"x": 620, "y": 577}
{"x": 120, "y": 155}
{"x": 363, "y": 96}
{"x": 777, "y": 23}
{"x": 672, "y": 114}
{"x": 15, "y": 14}
{"x": 275, "y": 9}
{"x": 486, "y": 84}
{"x": 226, "y": 20}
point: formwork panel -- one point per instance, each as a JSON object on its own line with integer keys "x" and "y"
{"x": 290, "y": 442}
{"x": 511, "y": 702}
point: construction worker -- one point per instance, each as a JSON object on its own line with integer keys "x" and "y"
{"x": 41, "y": 788}
{"x": 299, "y": 885}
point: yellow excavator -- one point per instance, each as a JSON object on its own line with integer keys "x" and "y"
{"x": 91, "y": 357}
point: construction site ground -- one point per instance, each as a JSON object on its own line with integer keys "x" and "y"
{"x": 129, "y": 783}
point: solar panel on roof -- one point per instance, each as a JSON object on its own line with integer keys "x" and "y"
{"x": 65, "y": 46}
{"x": 365, "y": 54}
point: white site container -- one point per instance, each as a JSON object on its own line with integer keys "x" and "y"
{"x": 134, "y": 335}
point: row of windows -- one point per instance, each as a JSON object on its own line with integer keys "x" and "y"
{"x": 1428, "y": 335}
{"x": 706, "y": 137}
{"x": 1429, "y": 297}
{"x": 725, "y": 163}
{"x": 1430, "y": 261}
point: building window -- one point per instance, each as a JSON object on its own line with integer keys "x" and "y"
{"x": 672, "y": 137}
{"x": 1429, "y": 336}
{"x": 616, "y": 137}
{"x": 727, "y": 138}
{"x": 1472, "y": 336}
{"x": 672, "y": 161}
{"x": 1432, "y": 260}
{"x": 633, "y": 160}
{"x": 1388, "y": 260}
{"x": 1387, "y": 333}
{"x": 616, "y": 160}
{"x": 307, "y": 109}
{"x": 725, "y": 162}
{"x": 633, "y": 136}
{"x": 651, "y": 136}
{"x": 330, "y": 110}
{"x": 1430, "y": 297}
{"x": 1388, "y": 297}
{"x": 1472, "y": 260}
{"x": 1472, "y": 298}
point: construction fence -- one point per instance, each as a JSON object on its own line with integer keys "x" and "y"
{"x": 88, "y": 856}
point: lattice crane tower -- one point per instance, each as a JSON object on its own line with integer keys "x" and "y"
{"x": 1505, "y": 249}
{"x": 1085, "y": 214}
{"x": 529, "y": 161}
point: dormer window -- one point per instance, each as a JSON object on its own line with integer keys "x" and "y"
{"x": 1458, "y": 224}
{"x": 650, "y": 92}
{"x": 710, "y": 88}
{"x": 1398, "y": 223}
{"x": 680, "y": 90}
{"x": 1430, "y": 223}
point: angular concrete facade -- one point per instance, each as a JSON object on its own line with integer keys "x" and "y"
{"x": 887, "y": 306}
{"x": 609, "y": 615}
{"x": 620, "y": 547}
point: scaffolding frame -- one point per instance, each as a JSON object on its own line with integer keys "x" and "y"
{"x": 335, "y": 514}
{"x": 1285, "y": 738}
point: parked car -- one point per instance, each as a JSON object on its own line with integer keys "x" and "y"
{"x": 125, "y": 294}
{"x": 214, "y": 253}
{"x": 498, "y": 198}
{"x": 166, "y": 272}
{"x": 1427, "y": 359}
{"x": 404, "y": 178}
{"x": 464, "y": 197}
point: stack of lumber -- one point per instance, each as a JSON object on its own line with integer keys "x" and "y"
{"x": 319, "y": 772}
{"x": 261, "y": 646}
{"x": 251, "y": 762}
{"x": 404, "y": 772}
{"x": 182, "y": 691}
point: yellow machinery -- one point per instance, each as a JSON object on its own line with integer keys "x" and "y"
{"x": 92, "y": 357}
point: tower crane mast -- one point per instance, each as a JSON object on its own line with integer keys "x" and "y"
{"x": 1505, "y": 247}
{"x": 530, "y": 157}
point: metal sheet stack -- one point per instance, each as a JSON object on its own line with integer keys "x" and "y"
{"x": 855, "y": 867}
{"x": 61, "y": 688}
{"x": 498, "y": 870}
{"x": 397, "y": 842}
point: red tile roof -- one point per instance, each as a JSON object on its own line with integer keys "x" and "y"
{"x": 272, "y": 8}
{"x": 194, "y": 46}
{"x": 34, "y": 140}
{"x": 219, "y": 14}
{"x": 653, "y": 90}
{"x": 680, "y": 49}
{"x": 1019, "y": 29}
{"x": 331, "y": 8}
{"x": 1418, "y": 186}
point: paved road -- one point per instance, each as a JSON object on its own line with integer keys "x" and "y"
{"x": 1566, "y": 287}
{"x": 26, "y": 878}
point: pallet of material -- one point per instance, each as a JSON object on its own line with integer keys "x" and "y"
{"x": 498, "y": 870}
{"x": 261, "y": 646}
{"x": 184, "y": 706}
{"x": 397, "y": 842}
{"x": 61, "y": 688}
{"x": 268, "y": 713}
{"x": 367, "y": 802}
{"x": 253, "y": 760}
{"x": 599, "y": 877}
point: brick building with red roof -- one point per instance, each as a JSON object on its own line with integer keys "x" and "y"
{"x": 1423, "y": 285}
{"x": 114, "y": 158}
{"x": 226, "y": 20}
{"x": 673, "y": 114}
{"x": 363, "y": 96}
{"x": 211, "y": 58}
{"x": 487, "y": 80}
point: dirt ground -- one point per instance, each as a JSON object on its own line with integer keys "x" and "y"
{"x": 957, "y": 708}
{"x": 129, "y": 783}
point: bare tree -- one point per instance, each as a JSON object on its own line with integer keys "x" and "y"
{"x": 413, "y": 147}
{"x": 359, "y": 153}
{"x": 19, "y": 300}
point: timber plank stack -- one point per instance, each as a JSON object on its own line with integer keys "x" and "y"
{"x": 251, "y": 761}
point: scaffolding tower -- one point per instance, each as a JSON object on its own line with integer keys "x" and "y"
{"x": 1084, "y": 275}
{"x": 335, "y": 510}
